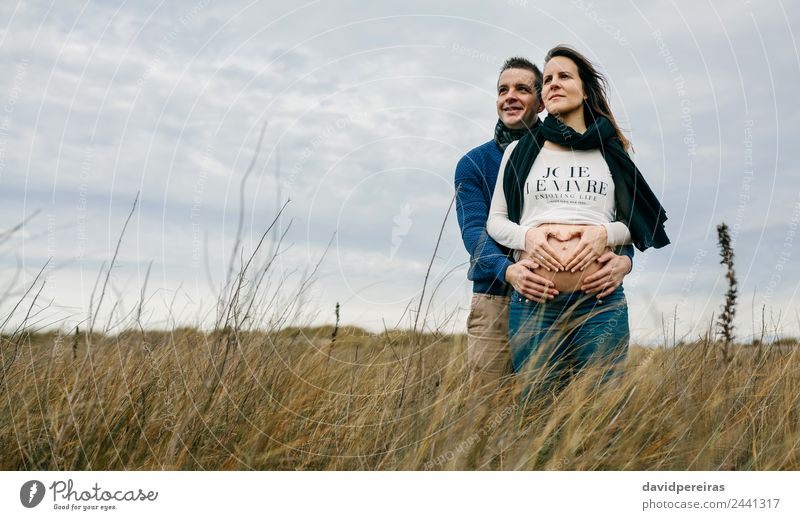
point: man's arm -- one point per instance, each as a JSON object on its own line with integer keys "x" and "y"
{"x": 626, "y": 250}
{"x": 472, "y": 211}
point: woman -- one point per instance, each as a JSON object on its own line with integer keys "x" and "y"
{"x": 565, "y": 193}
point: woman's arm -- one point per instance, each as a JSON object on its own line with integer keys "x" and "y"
{"x": 500, "y": 228}
{"x": 617, "y": 234}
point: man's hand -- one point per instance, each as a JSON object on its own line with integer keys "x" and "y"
{"x": 527, "y": 283}
{"x": 609, "y": 277}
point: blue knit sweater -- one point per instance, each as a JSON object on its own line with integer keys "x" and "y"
{"x": 476, "y": 175}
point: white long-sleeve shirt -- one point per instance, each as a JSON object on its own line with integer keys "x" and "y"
{"x": 563, "y": 187}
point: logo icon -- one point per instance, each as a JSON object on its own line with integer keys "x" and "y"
{"x": 31, "y": 493}
{"x": 402, "y": 223}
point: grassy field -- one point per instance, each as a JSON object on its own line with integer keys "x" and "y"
{"x": 295, "y": 399}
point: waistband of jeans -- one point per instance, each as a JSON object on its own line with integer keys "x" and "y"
{"x": 572, "y": 297}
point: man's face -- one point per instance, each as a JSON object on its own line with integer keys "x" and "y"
{"x": 517, "y": 102}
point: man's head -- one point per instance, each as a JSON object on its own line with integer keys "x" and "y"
{"x": 518, "y": 93}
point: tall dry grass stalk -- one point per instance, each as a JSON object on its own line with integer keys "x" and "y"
{"x": 725, "y": 322}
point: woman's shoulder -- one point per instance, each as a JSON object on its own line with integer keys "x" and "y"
{"x": 510, "y": 149}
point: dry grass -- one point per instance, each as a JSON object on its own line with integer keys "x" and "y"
{"x": 286, "y": 400}
{"x": 340, "y": 398}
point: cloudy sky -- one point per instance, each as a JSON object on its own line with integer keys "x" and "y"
{"x": 367, "y": 107}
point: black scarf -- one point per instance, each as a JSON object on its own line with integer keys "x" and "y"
{"x": 636, "y": 204}
{"x": 504, "y": 135}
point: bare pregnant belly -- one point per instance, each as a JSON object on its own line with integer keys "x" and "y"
{"x": 566, "y": 281}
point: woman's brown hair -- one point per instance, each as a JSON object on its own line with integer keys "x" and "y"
{"x": 594, "y": 86}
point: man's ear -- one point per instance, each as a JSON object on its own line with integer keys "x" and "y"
{"x": 540, "y": 108}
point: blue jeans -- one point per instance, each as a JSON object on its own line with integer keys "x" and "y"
{"x": 551, "y": 342}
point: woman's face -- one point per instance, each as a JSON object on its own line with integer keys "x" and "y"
{"x": 562, "y": 88}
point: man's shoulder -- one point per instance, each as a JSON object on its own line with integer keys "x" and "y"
{"x": 489, "y": 148}
{"x": 479, "y": 157}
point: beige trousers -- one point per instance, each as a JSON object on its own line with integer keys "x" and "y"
{"x": 487, "y": 340}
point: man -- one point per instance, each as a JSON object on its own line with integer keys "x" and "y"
{"x": 491, "y": 270}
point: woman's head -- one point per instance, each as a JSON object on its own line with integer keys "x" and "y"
{"x": 571, "y": 85}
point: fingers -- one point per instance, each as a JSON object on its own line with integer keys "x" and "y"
{"x": 596, "y": 285}
{"x": 611, "y": 288}
{"x": 601, "y": 279}
{"x": 538, "y": 294}
{"x": 546, "y": 256}
{"x": 603, "y": 272}
{"x": 534, "y": 297}
{"x": 605, "y": 257}
{"x": 537, "y": 288}
{"x": 604, "y": 285}
{"x": 535, "y": 279}
{"x": 529, "y": 263}
{"x": 579, "y": 257}
{"x": 600, "y": 286}
{"x": 563, "y": 234}
{"x": 591, "y": 257}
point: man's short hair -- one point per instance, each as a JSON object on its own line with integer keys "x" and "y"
{"x": 518, "y": 62}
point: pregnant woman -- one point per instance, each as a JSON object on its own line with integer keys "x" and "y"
{"x": 566, "y": 193}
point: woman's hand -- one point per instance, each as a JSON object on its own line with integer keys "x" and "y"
{"x": 592, "y": 244}
{"x": 540, "y": 251}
